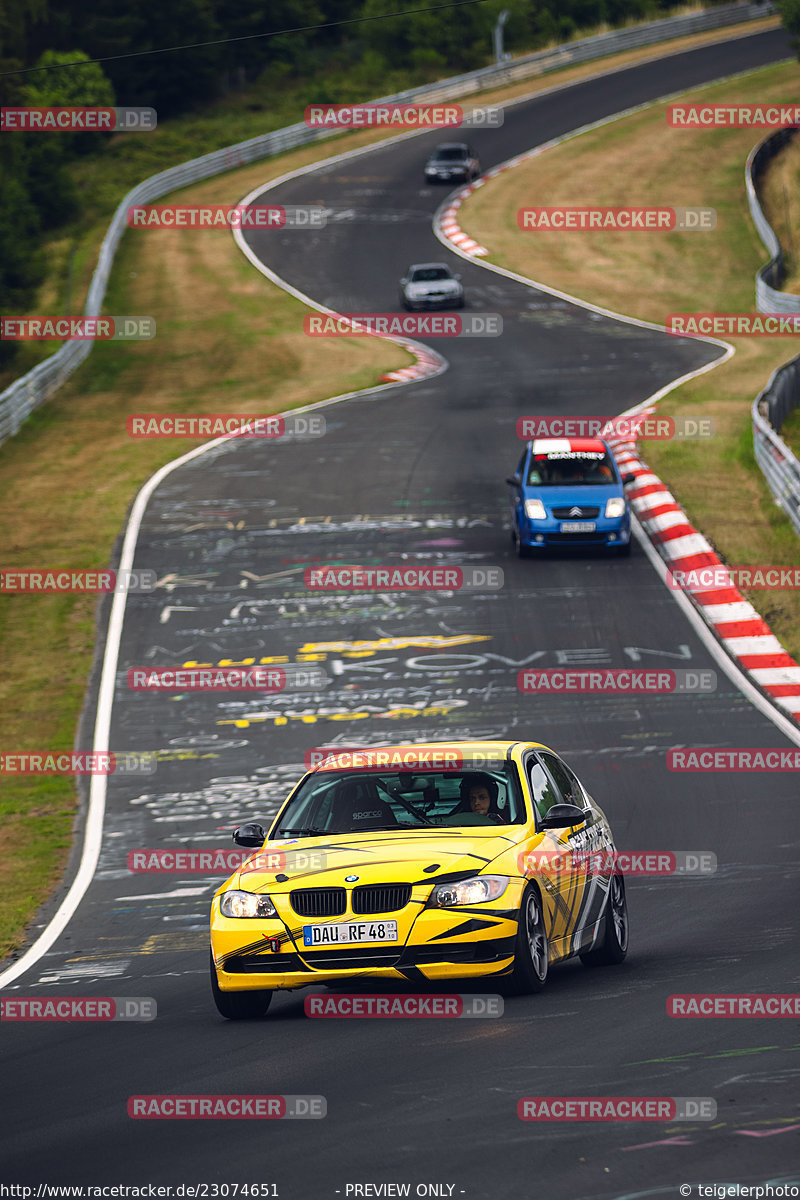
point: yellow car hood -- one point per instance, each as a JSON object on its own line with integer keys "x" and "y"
{"x": 375, "y": 858}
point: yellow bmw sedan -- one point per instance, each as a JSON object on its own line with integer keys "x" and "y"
{"x": 442, "y": 861}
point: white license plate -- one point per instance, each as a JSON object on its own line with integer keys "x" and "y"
{"x": 337, "y": 933}
{"x": 577, "y": 526}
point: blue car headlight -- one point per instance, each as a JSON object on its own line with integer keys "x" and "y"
{"x": 615, "y": 507}
{"x": 535, "y": 510}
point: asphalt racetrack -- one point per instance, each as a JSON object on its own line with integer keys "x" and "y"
{"x": 419, "y": 471}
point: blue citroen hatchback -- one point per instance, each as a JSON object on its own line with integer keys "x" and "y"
{"x": 569, "y": 492}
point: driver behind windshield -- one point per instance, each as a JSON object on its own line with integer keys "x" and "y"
{"x": 479, "y": 795}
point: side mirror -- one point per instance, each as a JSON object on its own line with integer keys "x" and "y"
{"x": 456, "y": 277}
{"x": 513, "y": 480}
{"x": 562, "y": 816}
{"x": 628, "y": 478}
{"x": 249, "y": 835}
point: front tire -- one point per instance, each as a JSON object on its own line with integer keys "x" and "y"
{"x": 531, "y": 957}
{"x": 522, "y": 550}
{"x": 614, "y": 944}
{"x": 624, "y": 551}
{"x": 238, "y": 1006}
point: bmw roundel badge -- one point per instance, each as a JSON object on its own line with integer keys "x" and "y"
{"x": 351, "y": 878}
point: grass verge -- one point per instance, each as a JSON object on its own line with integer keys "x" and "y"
{"x": 779, "y": 191}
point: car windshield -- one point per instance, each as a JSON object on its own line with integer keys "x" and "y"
{"x": 452, "y": 154}
{"x": 559, "y": 468}
{"x": 429, "y": 274}
{"x": 331, "y": 802}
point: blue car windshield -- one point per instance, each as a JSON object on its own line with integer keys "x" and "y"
{"x": 568, "y": 468}
{"x": 332, "y": 802}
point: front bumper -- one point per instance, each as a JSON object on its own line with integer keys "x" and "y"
{"x": 289, "y": 971}
{"x": 446, "y": 176}
{"x": 433, "y": 945}
{"x": 431, "y": 303}
{"x": 539, "y": 535}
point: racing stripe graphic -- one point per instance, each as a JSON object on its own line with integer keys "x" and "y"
{"x": 595, "y": 901}
{"x": 470, "y": 926}
{"x": 413, "y": 975}
{"x": 249, "y": 948}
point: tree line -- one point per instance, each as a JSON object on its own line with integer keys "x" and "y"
{"x": 332, "y": 38}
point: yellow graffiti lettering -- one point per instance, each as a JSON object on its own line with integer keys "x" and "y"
{"x": 392, "y": 714}
{"x": 433, "y": 642}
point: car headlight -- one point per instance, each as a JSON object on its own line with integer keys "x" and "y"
{"x": 469, "y": 891}
{"x": 535, "y": 511}
{"x": 246, "y": 904}
{"x": 615, "y": 507}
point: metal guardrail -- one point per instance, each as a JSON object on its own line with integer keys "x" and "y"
{"x": 782, "y": 394}
{"x": 779, "y": 466}
{"x": 27, "y": 393}
{"x": 769, "y": 279}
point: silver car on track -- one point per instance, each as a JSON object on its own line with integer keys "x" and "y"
{"x": 430, "y": 285}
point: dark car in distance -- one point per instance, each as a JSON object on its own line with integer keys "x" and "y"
{"x": 452, "y": 162}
